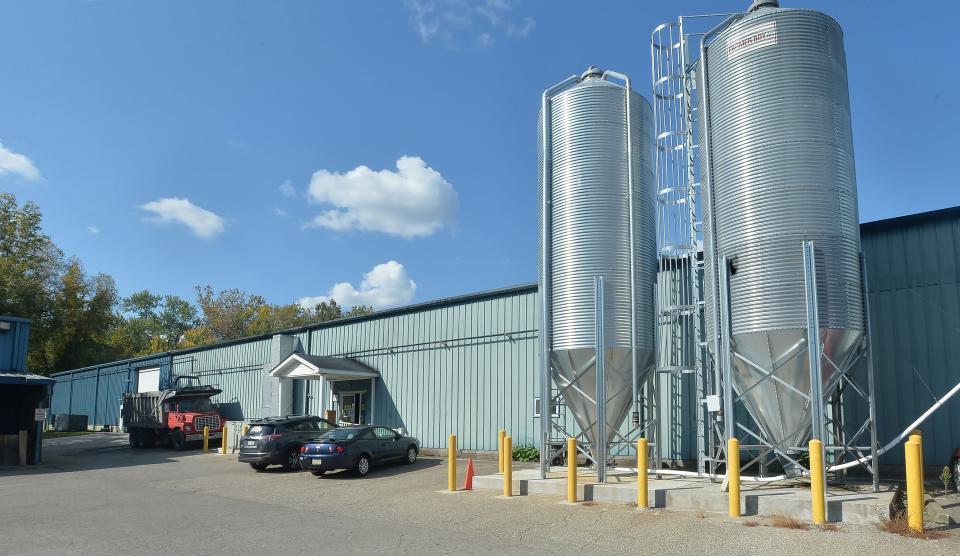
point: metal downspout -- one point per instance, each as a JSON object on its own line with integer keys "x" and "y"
{"x": 546, "y": 248}
{"x": 599, "y": 345}
{"x": 870, "y": 386}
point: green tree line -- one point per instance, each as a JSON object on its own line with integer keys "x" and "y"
{"x": 79, "y": 319}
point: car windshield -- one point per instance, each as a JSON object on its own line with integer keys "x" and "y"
{"x": 341, "y": 434}
{"x": 199, "y": 404}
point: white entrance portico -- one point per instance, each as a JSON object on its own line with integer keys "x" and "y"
{"x": 334, "y": 369}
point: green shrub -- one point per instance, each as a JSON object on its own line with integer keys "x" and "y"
{"x": 526, "y": 453}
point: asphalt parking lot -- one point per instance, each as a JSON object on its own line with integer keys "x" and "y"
{"x": 94, "y": 495}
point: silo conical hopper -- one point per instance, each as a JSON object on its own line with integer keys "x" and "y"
{"x": 779, "y": 170}
{"x": 589, "y": 234}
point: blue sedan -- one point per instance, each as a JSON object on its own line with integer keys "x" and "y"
{"x": 357, "y": 448}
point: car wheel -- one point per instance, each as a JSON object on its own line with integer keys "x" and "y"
{"x": 179, "y": 440}
{"x": 292, "y": 462}
{"x": 258, "y": 467}
{"x": 363, "y": 466}
{"x": 412, "y": 454}
{"x": 317, "y": 473}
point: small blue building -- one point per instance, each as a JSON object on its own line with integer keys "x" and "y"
{"x": 21, "y": 394}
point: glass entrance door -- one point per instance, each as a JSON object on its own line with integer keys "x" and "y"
{"x": 353, "y": 407}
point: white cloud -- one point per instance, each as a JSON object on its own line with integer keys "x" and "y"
{"x": 386, "y": 285}
{"x": 203, "y": 223}
{"x": 93, "y": 230}
{"x": 287, "y": 190}
{"x": 413, "y": 201}
{"x": 475, "y": 20}
{"x": 281, "y": 213}
{"x": 16, "y": 163}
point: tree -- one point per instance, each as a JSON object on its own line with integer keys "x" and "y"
{"x": 327, "y": 310}
{"x": 175, "y": 318}
{"x": 359, "y": 311}
{"x": 153, "y": 323}
{"x": 30, "y": 269}
{"x": 142, "y": 304}
{"x": 229, "y": 314}
{"x": 83, "y": 317}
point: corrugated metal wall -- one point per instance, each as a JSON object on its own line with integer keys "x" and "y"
{"x": 913, "y": 272}
{"x": 465, "y": 366}
{"x": 471, "y": 365}
{"x": 97, "y": 391}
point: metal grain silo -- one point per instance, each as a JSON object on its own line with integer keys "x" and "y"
{"x": 778, "y": 170}
{"x": 595, "y": 222}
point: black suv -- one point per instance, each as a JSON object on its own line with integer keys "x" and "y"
{"x": 277, "y": 440}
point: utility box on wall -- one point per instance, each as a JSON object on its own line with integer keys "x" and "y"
{"x": 14, "y": 335}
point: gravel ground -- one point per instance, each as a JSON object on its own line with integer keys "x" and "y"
{"x": 96, "y": 496}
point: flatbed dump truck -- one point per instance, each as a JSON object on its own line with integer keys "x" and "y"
{"x": 175, "y": 416}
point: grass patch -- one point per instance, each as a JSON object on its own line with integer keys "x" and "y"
{"x": 898, "y": 526}
{"x": 751, "y": 523}
{"x": 700, "y": 514}
{"x": 61, "y": 434}
{"x": 784, "y": 522}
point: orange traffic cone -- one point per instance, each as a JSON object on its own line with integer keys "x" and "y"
{"x": 468, "y": 482}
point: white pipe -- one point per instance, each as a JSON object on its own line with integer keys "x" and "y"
{"x": 906, "y": 432}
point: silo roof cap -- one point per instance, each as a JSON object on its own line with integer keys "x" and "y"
{"x": 593, "y": 72}
{"x": 757, "y": 4}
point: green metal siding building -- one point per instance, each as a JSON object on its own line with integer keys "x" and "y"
{"x": 913, "y": 274}
{"x": 470, "y": 365}
{"x": 463, "y": 365}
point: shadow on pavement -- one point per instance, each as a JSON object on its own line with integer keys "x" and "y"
{"x": 95, "y": 451}
{"x": 386, "y": 469}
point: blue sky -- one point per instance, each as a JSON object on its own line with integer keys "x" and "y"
{"x": 260, "y": 114}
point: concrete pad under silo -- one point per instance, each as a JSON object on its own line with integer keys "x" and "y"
{"x": 857, "y": 505}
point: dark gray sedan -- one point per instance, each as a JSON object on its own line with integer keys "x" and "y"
{"x": 357, "y": 448}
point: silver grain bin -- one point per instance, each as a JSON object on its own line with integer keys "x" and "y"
{"x": 589, "y": 229}
{"x": 778, "y": 170}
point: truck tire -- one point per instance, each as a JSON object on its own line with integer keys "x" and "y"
{"x": 133, "y": 438}
{"x": 178, "y": 440}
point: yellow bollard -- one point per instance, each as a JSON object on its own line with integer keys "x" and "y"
{"x": 452, "y": 463}
{"x": 571, "y": 470}
{"x": 733, "y": 476}
{"x": 507, "y": 466}
{"x": 918, "y": 438}
{"x": 206, "y": 438}
{"x": 914, "y": 486}
{"x": 223, "y": 440}
{"x": 816, "y": 482}
{"x": 500, "y": 435}
{"x": 642, "y": 466}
